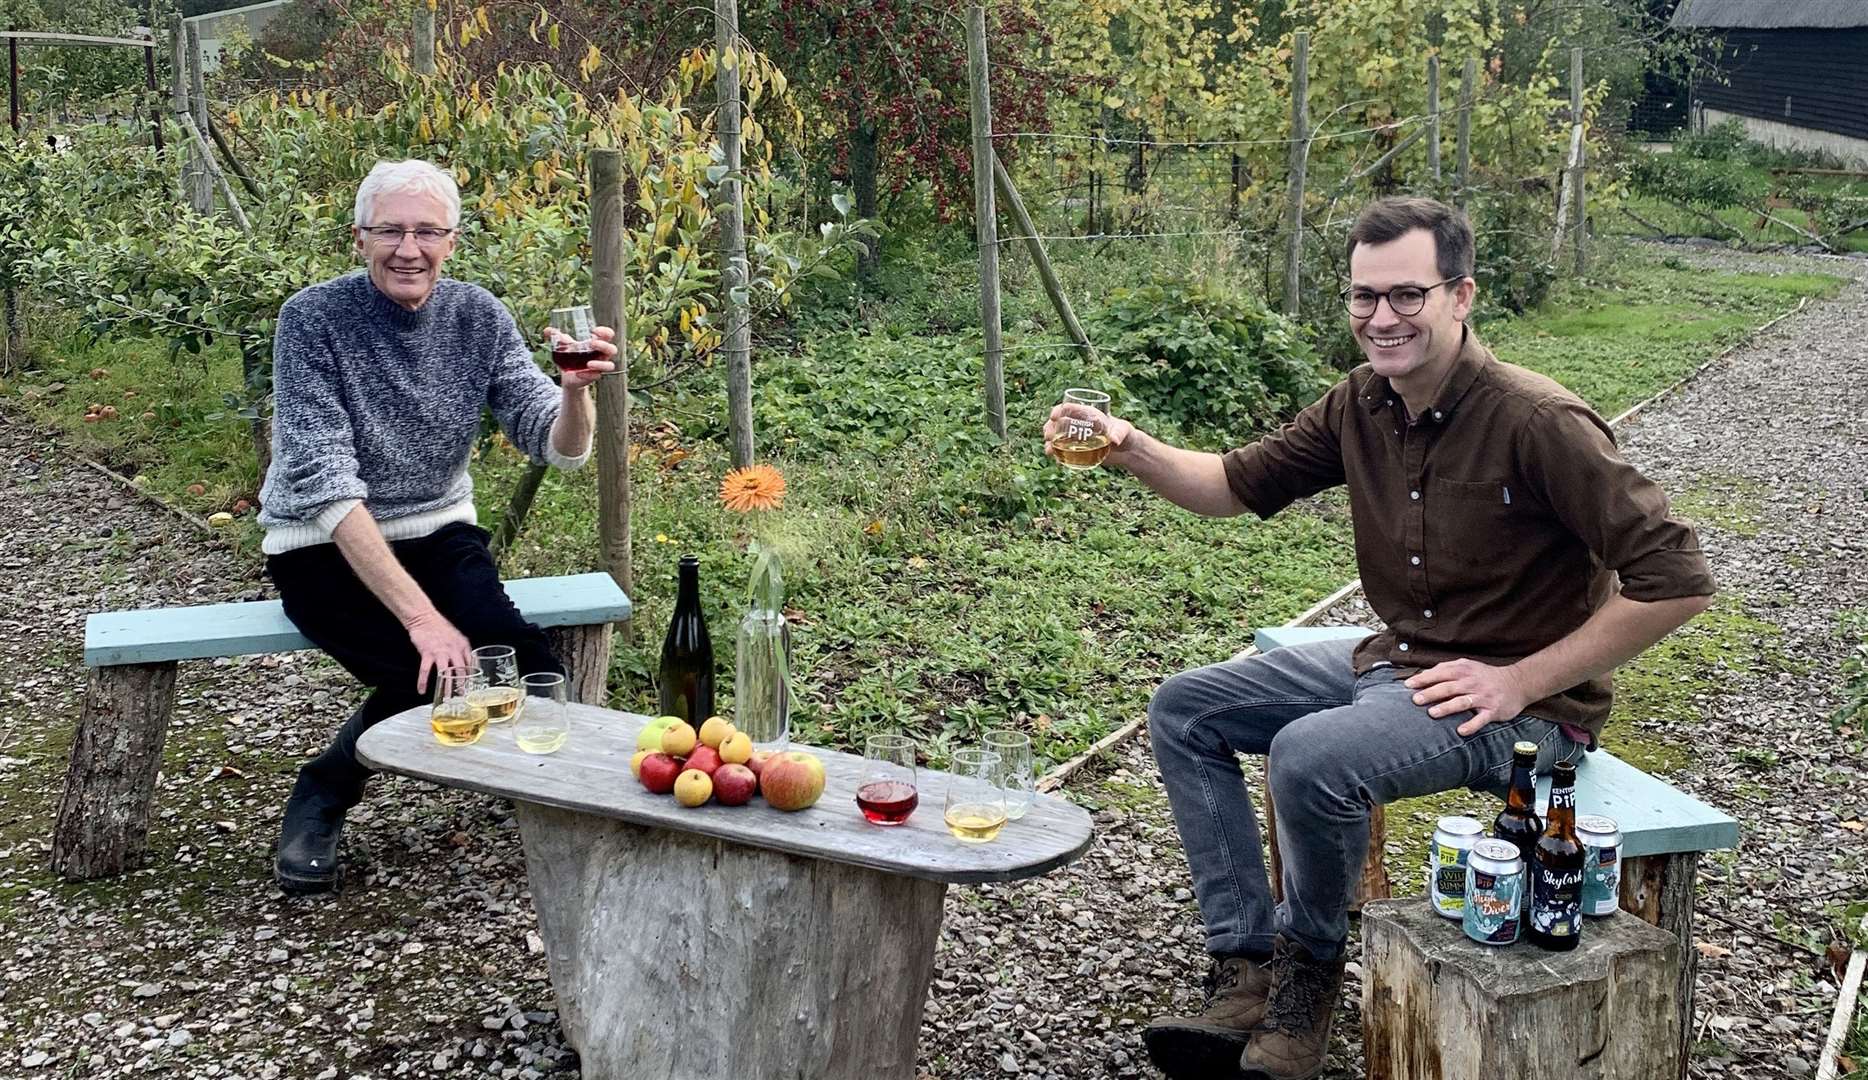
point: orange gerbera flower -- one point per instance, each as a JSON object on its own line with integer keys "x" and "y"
{"x": 755, "y": 487}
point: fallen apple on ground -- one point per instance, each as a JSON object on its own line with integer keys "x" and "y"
{"x": 792, "y": 781}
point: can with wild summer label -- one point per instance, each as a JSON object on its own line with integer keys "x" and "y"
{"x": 1452, "y": 841}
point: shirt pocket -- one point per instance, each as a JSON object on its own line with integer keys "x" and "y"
{"x": 1477, "y": 523}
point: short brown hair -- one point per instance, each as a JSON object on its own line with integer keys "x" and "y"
{"x": 1391, "y": 218}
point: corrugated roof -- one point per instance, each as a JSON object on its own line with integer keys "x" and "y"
{"x": 1770, "y": 14}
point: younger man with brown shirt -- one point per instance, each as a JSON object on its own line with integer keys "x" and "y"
{"x": 1493, "y": 518}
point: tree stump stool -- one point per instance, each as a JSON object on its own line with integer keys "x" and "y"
{"x": 1437, "y": 1005}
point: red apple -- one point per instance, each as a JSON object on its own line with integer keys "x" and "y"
{"x": 705, "y": 758}
{"x": 792, "y": 781}
{"x": 734, "y": 785}
{"x": 659, "y": 772}
{"x": 759, "y": 758}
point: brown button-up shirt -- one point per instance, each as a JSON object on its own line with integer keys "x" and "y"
{"x": 1489, "y": 526}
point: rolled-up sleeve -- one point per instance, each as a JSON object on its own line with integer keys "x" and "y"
{"x": 1621, "y": 515}
{"x": 1299, "y": 459}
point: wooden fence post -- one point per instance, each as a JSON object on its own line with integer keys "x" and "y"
{"x": 1582, "y": 152}
{"x": 1433, "y": 118}
{"x": 178, "y": 103}
{"x": 985, "y": 220}
{"x": 729, "y": 209}
{"x": 1462, "y": 149}
{"x": 1300, "y": 156}
{"x": 149, "y": 82}
{"x": 1047, "y": 276}
{"x": 606, "y": 302}
{"x": 198, "y": 105}
{"x": 12, "y": 81}
{"x": 422, "y": 39}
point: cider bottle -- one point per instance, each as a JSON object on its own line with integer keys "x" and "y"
{"x": 1556, "y": 920}
{"x": 1518, "y": 821}
{"x": 686, "y": 684}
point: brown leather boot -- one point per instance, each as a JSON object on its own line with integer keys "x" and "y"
{"x": 1208, "y": 1045}
{"x": 1294, "y": 1040}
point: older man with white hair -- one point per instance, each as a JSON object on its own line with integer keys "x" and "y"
{"x": 380, "y": 379}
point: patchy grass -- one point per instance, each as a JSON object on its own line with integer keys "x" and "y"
{"x": 1725, "y": 501}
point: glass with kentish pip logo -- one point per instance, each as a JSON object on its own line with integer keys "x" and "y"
{"x": 572, "y": 329}
{"x": 888, "y": 794}
{"x": 1084, "y": 441}
{"x": 499, "y": 695}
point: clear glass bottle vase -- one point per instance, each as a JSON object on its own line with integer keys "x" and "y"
{"x": 762, "y": 679}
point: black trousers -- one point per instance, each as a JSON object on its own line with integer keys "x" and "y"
{"x": 329, "y": 604}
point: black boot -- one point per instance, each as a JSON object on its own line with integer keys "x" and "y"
{"x": 328, "y": 786}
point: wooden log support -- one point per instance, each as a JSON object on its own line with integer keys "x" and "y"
{"x": 822, "y": 968}
{"x": 1438, "y": 1006}
{"x": 1300, "y": 158}
{"x": 585, "y": 653}
{"x": 985, "y": 219}
{"x": 1372, "y": 885}
{"x": 606, "y": 304}
{"x": 1659, "y": 890}
{"x": 103, "y": 818}
{"x": 1462, "y": 128}
{"x": 1047, "y": 275}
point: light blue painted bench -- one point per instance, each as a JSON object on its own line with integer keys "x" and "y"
{"x": 103, "y": 818}
{"x": 1664, "y": 830}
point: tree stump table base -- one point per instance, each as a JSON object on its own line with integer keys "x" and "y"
{"x": 683, "y": 957}
{"x": 1437, "y": 1005}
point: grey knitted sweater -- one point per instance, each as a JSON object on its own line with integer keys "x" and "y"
{"x": 380, "y": 405}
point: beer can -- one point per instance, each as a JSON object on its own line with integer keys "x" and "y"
{"x": 1602, "y": 864}
{"x": 1452, "y": 841}
{"x": 1495, "y": 888}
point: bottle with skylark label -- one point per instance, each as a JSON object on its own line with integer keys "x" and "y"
{"x": 1556, "y": 920}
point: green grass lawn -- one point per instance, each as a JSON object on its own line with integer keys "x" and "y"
{"x": 937, "y": 583}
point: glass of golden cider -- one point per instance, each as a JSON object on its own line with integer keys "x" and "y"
{"x": 501, "y": 696}
{"x": 1084, "y": 441}
{"x": 457, "y": 718}
{"x": 975, "y": 800}
{"x": 545, "y": 720}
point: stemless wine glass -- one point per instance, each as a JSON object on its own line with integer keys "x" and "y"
{"x": 457, "y": 719}
{"x": 1014, "y": 750}
{"x": 570, "y": 344}
{"x": 545, "y": 721}
{"x": 975, "y": 801}
{"x": 1084, "y": 442}
{"x": 888, "y": 794}
{"x": 499, "y": 666}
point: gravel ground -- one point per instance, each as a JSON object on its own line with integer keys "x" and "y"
{"x": 427, "y": 963}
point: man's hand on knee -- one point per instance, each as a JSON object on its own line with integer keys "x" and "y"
{"x": 439, "y": 646}
{"x": 1489, "y": 693}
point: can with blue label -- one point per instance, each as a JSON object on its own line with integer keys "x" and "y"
{"x": 1452, "y": 841}
{"x": 1602, "y": 865}
{"x": 1494, "y": 893}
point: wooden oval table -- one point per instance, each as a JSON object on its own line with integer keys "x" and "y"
{"x": 727, "y": 941}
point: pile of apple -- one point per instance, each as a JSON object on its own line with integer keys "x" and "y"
{"x": 719, "y": 763}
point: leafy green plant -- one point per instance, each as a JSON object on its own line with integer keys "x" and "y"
{"x": 1853, "y": 712}
{"x": 1215, "y": 363}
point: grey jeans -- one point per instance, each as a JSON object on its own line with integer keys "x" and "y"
{"x": 1339, "y": 744}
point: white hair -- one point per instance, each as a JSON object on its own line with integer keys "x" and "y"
{"x": 412, "y": 177}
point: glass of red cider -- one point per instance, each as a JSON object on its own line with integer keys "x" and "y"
{"x": 887, "y": 794}
{"x": 571, "y": 331}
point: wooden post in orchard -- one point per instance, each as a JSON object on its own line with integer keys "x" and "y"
{"x": 149, "y": 80}
{"x": 178, "y": 103}
{"x": 1577, "y": 166}
{"x": 198, "y": 106}
{"x": 422, "y": 39}
{"x": 1047, "y": 275}
{"x": 1300, "y": 156}
{"x": 1462, "y": 148}
{"x": 606, "y": 303}
{"x": 1433, "y": 118}
{"x": 985, "y": 218}
{"x": 729, "y": 208}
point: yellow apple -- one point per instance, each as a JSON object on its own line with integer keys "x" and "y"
{"x": 678, "y": 740}
{"x": 715, "y": 731}
{"x": 650, "y": 737}
{"x": 737, "y": 749}
{"x": 693, "y": 788}
{"x": 635, "y": 763}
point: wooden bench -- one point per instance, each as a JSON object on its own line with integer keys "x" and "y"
{"x": 727, "y": 941}
{"x": 1664, "y": 830}
{"x": 103, "y": 818}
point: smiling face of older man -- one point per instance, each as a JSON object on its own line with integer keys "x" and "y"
{"x": 409, "y": 235}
